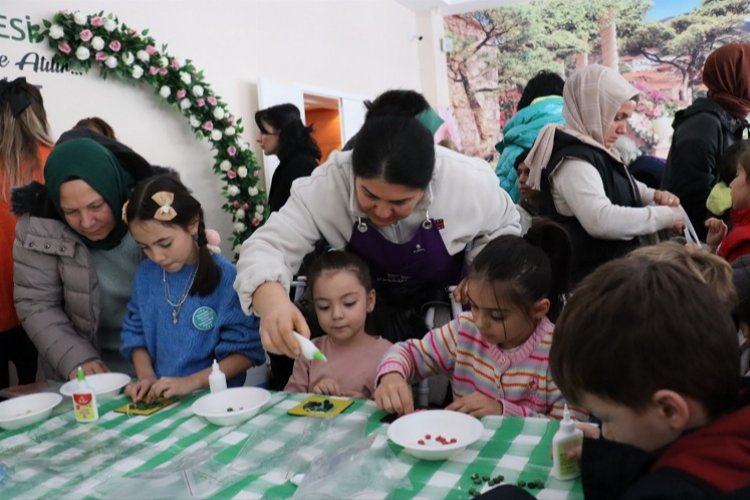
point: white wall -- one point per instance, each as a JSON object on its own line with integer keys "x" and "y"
{"x": 359, "y": 47}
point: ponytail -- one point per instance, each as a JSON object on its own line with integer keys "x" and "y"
{"x": 554, "y": 241}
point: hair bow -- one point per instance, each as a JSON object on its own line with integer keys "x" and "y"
{"x": 14, "y": 93}
{"x": 125, "y": 211}
{"x": 165, "y": 212}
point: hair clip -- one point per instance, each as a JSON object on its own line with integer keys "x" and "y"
{"x": 165, "y": 212}
{"x": 125, "y": 211}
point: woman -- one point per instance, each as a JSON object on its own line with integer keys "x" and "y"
{"x": 74, "y": 259}
{"x": 414, "y": 212}
{"x": 283, "y": 134}
{"x": 703, "y": 131}
{"x": 582, "y": 180}
{"x": 24, "y": 147}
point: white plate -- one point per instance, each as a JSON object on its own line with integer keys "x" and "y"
{"x": 106, "y": 386}
{"x": 408, "y": 430}
{"x": 26, "y": 410}
{"x": 231, "y": 406}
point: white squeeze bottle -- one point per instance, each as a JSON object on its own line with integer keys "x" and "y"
{"x": 567, "y": 436}
{"x": 217, "y": 381}
{"x": 84, "y": 399}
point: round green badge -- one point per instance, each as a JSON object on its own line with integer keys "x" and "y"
{"x": 204, "y": 318}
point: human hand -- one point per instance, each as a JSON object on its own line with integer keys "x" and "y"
{"x": 678, "y": 220}
{"x": 166, "y": 387}
{"x": 278, "y": 318}
{"x": 90, "y": 368}
{"x": 666, "y": 198}
{"x": 459, "y": 293}
{"x": 327, "y": 386}
{"x": 717, "y": 231}
{"x": 394, "y": 395}
{"x": 138, "y": 390}
{"x": 477, "y": 405}
{"x": 590, "y": 431}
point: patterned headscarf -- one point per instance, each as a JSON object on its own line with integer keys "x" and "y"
{"x": 726, "y": 73}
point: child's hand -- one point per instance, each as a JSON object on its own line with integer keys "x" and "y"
{"x": 590, "y": 431}
{"x": 393, "y": 394}
{"x": 166, "y": 387}
{"x": 459, "y": 293}
{"x": 477, "y": 405}
{"x": 327, "y": 386}
{"x": 717, "y": 230}
{"x": 138, "y": 390}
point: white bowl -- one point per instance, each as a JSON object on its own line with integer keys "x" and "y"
{"x": 26, "y": 410}
{"x": 106, "y": 386}
{"x": 408, "y": 430}
{"x": 231, "y": 406}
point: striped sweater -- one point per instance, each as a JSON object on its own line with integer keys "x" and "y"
{"x": 519, "y": 378}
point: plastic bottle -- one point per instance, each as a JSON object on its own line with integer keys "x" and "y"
{"x": 84, "y": 399}
{"x": 567, "y": 437}
{"x": 217, "y": 381}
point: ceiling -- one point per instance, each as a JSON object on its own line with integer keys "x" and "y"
{"x": 451, "y": 7}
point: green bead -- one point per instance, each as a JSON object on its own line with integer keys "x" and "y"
{"x": 475, "y": 476}
{"x": 485, "y": 478}
{"x": 499, "y": 478}
{"x": 521, "y": 484}
{"x": 472, "y": 491}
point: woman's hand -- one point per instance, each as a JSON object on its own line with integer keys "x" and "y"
{"x": 166, "y": 387}
{"x": 477, "y": 405}
{"x": 666, "y": 198}
{"x": 327, "y": 386}
{"x": 278, "y": 318}
{"x": 717, "y": 231}
{"x": 138, "y": 390}
{"x": 394, "y": 394}
{"x": 91, "y": 368}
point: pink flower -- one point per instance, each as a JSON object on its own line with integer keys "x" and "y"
{"x": 211, "y": 100}
{"x": 115, "y": 46}
{"x": 245, "y": 206}
{"x": 236, "y": 204}
{"x": 132, "y": 32}
{"x": 231, "y": 174}
{"x": 181, "y": 93}
{"x": 97, "y": 21}
{"x": 163, "y": 71}
{"x": 231, "y": 151}
{"x": 101, "y": 56}
{"x": 208, "y": 126}
{"x": 86, "y": 35}
{"x": 175, "y": 63}
{"x": 213, "y": 237}
{"x": 231, "y": 119}
{"x": 64, "y": 47}
{"x": 200, "y": 102}
{"x": 150, "y": 50}
{"x": 255, "y": 222}
{"x": 152, "y": 70}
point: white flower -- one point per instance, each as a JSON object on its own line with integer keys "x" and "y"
{"x": 111, "y": 62}
{"x": 127, "y": 58}
{"x": 218, "y": 113}
{"x": 194, "y": 122}
{"x": 216, "y": 135}
{"x": 82, "y": 53}
{"x": 136, "y": 72}
{"x": 233, "y": 190}
{"x": 185, "y": 103}
{"x": 239, "y": 227}
{"x": 244, "y": 146}
{"x": 225, "y": 165}
{"x": 242, "y": 172}
{"x": 185, "y": 77}
{"x": 142, "y": 55}
{"x": 164, "y": 91}
{"x": 229, "y": 131}
{"x": 197, "y": 91}
{"x": 252, "y": 191}
{"x": 110, "y": 25}
{"x": 79, "y": 19}
{"x": 237, "y": 248}
{"x": 97, "y": 43}
{"x": 239, "y": 214}
{"x": 56, "y": 32}
{"x": 163, "y": 61}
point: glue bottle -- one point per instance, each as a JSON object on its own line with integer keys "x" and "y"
{"x": 217, "y": 380}
{"x": 566, "y": 438}
{"x": 84, "y": 399}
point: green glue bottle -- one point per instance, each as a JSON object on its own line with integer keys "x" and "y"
{"x": 84, "y": 399}
{"x": 567, "y": 437}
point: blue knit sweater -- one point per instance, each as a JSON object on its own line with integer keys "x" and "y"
{"x": 179, "y": 350}
{"x": 519, "y": 135}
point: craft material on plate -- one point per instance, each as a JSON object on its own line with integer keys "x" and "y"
{"x": 321, "y": 406}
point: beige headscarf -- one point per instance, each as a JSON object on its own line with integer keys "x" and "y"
{"x": 591, "y": 98}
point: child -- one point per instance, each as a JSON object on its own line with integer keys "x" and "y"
{"x": 342, "y": 294}
{"x": 496, "y": 354}
{"x": 650, "y": 350}
{"x": 735, "y": 243}
{"x": 719, "y": 200}
{"x": 183, "y": 312}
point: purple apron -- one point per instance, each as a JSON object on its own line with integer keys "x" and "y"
{"x": 421, "y": 262}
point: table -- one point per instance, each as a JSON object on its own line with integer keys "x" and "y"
{"x": 175, "y": 454}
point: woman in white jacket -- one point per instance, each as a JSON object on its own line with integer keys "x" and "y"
{"x": 416, "y": 213}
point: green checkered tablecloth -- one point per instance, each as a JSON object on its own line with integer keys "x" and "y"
{"x": 175, "y": 454}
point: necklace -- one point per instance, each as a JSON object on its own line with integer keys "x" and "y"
{"x": 176, "y": 307}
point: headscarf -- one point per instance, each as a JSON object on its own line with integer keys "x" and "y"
{"x": 591, "y": 98}
{"x": 87, "y": 160}
{"x": 726, "y": 73}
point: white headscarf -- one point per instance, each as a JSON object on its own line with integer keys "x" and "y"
{"x": 591, "y": 98}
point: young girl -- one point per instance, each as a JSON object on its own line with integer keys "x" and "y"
{"x": 342, "y": 293}
{"x": 496, "y": 354}
{"x": 184, "y": 312}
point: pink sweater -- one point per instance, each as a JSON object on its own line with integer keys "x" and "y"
{"x": 519, "y": 378}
